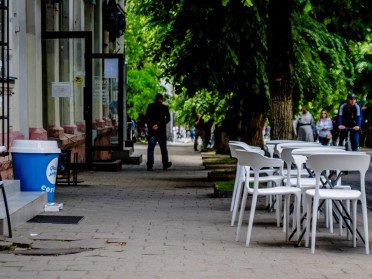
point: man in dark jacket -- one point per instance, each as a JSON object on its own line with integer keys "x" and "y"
{"x": 157, "y": 117}
{"x": 350, "y": 117}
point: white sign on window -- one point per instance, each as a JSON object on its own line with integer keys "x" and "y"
{"x": 61, "y": 89}
{"x": 111, "y": 68}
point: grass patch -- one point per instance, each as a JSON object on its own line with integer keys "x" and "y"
{"x": 220, "y": 160}
{"x": 222, "y": 174}
{"x": 209, "y": 151}
{"x": 221, "y": 171}
{"x": 225, "y": 185}
{"x": 229, "y": 185}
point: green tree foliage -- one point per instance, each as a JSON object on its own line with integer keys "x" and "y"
{"x": 331, "y": 52}
{"x": 205, "y": 103}
{"x": 142, "y": 87}
{"x": 217, "y": 47}
{"x": 363, "y": 85}
{"x": 143, "y": 77}
{"x": 325, "y": 65}
{"x": 221, "y": 46}
{"x": 350, "y": 19}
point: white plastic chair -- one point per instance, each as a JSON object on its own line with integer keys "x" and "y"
{"x": 245, "y": 145}
{"x": 293, "y": 175}
{"x": 255, "y": 161}
{"x": 298, "y": 177}
{"x": 301, "y": 177}
{"x": 234, "y": 145}
{"x": 306, "y": 183}
{"x": 240, "y": 176}
{"x": 352, "y": 161}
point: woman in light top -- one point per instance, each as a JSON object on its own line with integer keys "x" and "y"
{"x": 303, "y": 126}
{"x": 324, "y": 127}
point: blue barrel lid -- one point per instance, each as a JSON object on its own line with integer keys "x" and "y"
{"x": 35, "y": 146}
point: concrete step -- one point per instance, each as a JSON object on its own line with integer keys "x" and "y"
{"x": 122, "y": 154}
{"x": 11, "y": 186}
{"x": 127, "y": 156}
{"x": 134, "y": 159}
{"x": 114, "y": 165}
{"x": 22, "y": 207}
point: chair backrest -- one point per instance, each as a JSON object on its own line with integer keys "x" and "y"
{"x": 282, "y": 141}
{"x": 352, "y": 161}
{"x": 257, "y": 161}
{"x": 233, "y": 148}
{"x": 279, "y": 147}
{"x": 317, "y": 150}
{"x": 286, "y": 156}
{"x": 243, "y": 146}
{"x": 270, "y": 149}
{"x": 242, "y": 143}
{"x": 299, "y": 161}
{"x": 271, "y": 145}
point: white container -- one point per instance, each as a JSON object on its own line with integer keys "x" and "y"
{"x": 35, "y": 146}
{"x": 35, "y": 164}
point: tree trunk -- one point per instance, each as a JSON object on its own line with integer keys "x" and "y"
{"x": 246, "y": 124}
{"x": 221, "y": 144}
{"x": 253, "y": 118}
{"x": 280, "y": 69}
{"x": 252, "y": 129}
{"x": 281, "y": 106}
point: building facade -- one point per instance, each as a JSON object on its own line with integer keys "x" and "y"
{"x": 66, "y": 59}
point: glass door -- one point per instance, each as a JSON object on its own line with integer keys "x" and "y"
{"x": 65, "y": 82}
{"x": 67, "y": 89}
{"x": 85, "y": 93}
{"x": 107, "y": 105}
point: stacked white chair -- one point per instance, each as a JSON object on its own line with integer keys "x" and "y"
{"x": 308, "y": 183}
{"x": 351, "y": 161}
{"x": 256, "y": 162}
{"x": 240, "y": 176}
{"x": 299, "y": 176}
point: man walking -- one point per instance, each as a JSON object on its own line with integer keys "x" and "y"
{"x": 199, "y": 131}
{"x": 350, "y": 117}
{"x": 157, "y": 117}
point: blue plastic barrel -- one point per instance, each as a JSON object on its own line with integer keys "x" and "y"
{"x": 35, "y": 164}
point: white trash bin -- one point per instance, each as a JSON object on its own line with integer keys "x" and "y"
{"x": 35, "y": 164}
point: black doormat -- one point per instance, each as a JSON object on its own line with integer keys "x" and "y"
{"x": 56, "y": 219}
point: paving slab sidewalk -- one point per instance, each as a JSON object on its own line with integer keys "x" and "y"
{"x": 166, "y": 224}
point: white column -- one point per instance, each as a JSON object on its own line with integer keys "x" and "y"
{"x": 57, "y": 120}
{"x": 21, "y": 93}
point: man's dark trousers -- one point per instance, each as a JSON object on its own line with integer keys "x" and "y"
{"x": 152, "y": 140}
{"x": 354, "y": 139}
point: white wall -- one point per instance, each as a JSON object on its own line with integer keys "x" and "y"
{"x": 17, "y": 23}
{"x": 34, "y": 70}
{"x": 25, "y": 45}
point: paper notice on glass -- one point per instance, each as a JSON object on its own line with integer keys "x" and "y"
{"x": 61, "y": 89}
{"x": 111, "y": 68}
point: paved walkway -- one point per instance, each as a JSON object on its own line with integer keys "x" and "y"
{"x": 140, "y": 224}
